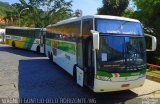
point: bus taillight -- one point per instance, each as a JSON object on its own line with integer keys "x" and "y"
{"x": 125, "y": 85}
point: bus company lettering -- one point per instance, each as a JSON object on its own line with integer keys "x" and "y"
{"x": 52, "y": 44}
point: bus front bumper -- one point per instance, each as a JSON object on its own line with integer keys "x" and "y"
{"x": 108, "y": 86}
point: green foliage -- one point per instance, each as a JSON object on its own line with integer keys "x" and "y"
{"x": 4, "y": 7}
{"x": 113, "y": 7}
{"x": 129, "y": 12}
{"x": 2, "y": 12}
{"x": 148, "y": 12}
{"x": 41, "y": 12}
{"x": 23, "y": 2}
{"x": 45, "y": 12}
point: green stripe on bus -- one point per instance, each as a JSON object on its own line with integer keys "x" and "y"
{"x": 133, "y": 73}
{"x": 103, "y": 73}
{"x": 63, "y": 45}
{"x": 67, "y": 47}
{"x": 29, "y": 43}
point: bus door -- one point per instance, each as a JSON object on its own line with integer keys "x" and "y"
{"x": 42, "y": 39}
{"x": 89, "y": 62}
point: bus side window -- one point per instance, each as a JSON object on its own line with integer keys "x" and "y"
{"x": 87, "y": 26}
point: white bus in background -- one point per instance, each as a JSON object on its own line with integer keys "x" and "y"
{"x": 26, "y": 38}
{"x": 2, "y": 33}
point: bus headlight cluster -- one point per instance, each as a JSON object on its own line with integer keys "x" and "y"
{"x": 103, "y": 78}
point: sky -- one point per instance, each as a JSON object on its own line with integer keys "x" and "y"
{"x": 89, "y": 7}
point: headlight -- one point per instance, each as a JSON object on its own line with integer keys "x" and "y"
{"x": 103, "y": 78}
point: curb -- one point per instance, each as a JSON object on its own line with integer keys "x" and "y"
{"x": 153, "y": 78}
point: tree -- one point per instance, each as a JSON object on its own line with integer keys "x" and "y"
{"x": 43, "y": 12}
{"x": 113, "y": 7}
{"x": 57, "y": 10}
{"x": 129, "y": 12}
{"x": 6, "y": 13}
{"x": 148, "y": 12}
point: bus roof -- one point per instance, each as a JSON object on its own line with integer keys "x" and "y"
{"x": 93, "y": 16}
{"x": 23, "y": 28}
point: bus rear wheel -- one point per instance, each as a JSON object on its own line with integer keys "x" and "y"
{"x": 13, "y": 44}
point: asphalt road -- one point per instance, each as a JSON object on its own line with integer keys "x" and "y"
{"x": 25, "y": 74}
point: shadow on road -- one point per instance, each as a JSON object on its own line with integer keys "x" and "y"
{"x": 115, "y": 97}
{"x": 40, "y": 78}
{"x": 18, "y": 51}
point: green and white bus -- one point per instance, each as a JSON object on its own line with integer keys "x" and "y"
{"x": 26, "y": 38}
{"x": 104, "y": 53}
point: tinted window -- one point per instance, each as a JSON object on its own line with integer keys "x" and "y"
{"x": 118, "y": 27}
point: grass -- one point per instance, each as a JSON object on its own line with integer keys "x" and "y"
{"x": 154, "y": 73}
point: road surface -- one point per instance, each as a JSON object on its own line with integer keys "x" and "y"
{"x": 25, "y": 74}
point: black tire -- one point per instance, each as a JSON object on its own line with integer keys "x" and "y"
{"x": 38, "y": 49}
{"x": 13, "y": 44}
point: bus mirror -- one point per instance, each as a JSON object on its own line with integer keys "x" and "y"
{"x": 95, "y": 39}
{"x": 154, "y": 42}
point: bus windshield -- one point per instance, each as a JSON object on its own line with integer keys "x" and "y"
{"x": 118, "y": 27}
{"x": 121, "y": 53}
